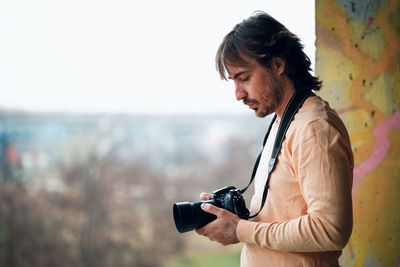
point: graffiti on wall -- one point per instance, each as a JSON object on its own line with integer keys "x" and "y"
{"x": 358, "y": 59}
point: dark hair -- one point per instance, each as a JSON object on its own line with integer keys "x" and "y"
{"x": 261, "y": 38}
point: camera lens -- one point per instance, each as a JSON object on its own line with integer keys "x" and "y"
{"x": 189, "y": 216}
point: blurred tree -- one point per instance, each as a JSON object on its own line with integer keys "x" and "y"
{"x": 103, "y": 210}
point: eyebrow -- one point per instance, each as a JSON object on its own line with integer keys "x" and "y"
{"x": 237, "y": 74}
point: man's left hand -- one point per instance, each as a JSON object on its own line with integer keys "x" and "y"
{"x": 223, "y": 229}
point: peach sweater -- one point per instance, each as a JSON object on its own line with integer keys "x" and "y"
{"x": 307, "y": 218}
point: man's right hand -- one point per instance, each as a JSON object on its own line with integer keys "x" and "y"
{"x": 223, "y": 229}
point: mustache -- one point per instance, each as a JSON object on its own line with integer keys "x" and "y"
{"x": 249, "y": 101}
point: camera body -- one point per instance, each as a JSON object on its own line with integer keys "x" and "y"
{"x": 229, "y": 198}
{"x": 190, "y": 216}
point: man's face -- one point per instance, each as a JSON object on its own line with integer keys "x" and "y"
{"x": 260, "y": 88}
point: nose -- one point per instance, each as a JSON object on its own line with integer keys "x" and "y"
{"x": 239, "y": 92}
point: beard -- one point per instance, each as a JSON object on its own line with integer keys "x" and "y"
{"x": 269, "y": 101}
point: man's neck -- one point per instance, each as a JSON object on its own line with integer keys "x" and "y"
{"x": 288, "y": 92}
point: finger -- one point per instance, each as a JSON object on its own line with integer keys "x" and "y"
{"x": 203, "y": 230}
{"x": 200, "y": 231}
{"x": 211, "y": 209}
{"x": 205, "y": 196}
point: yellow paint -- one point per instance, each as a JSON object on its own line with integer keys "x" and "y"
{"x": 397, "y": 82}
{"x": 377, "y": 203}
{"x": 342, "y": 67}
{"x": 359, "y": 62}
{"x": 361, "y": 137}
{"x": 361, "y": 121}
{"x": 363, "y": 146}
{"x": 370, "y": 46}
{"x": 386, "y": 99}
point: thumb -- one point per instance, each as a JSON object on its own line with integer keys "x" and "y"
{"x": 211, "y": 209}
{"x": 205, "y": 196}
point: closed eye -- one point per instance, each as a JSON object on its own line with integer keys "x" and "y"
{"x": 244, "y": 79}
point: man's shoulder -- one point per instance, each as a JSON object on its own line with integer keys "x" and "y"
{"x": 315, "y": 115}
{"x": 315, "y": 109}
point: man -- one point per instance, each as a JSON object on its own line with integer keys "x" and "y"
{"x": 307, "y": 217}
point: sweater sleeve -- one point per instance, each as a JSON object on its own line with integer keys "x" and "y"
{"x": 324, "y": 168}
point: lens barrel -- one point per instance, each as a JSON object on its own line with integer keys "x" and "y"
{"x": 189, "y": 216}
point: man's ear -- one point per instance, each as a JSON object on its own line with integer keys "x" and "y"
{"x": 278, "y": 65}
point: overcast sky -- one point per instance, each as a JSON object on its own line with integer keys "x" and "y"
{"x": 151, "y": 56}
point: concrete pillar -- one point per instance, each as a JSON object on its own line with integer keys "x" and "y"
{"x": 358, "y": 59}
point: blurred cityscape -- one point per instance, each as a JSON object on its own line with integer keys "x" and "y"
{"x": 97, "y": 190}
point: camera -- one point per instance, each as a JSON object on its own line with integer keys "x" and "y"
{"x": 189, "y": 216}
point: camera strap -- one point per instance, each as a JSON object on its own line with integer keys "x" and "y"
{"x": 291, "y": 109}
